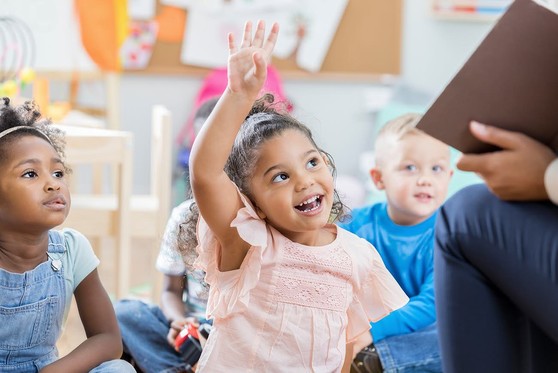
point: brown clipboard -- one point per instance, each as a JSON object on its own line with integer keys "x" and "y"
{"x": 510, "y": 81}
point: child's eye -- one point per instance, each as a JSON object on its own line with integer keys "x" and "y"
{"x": 437, "y": 168}
{"x": 280, "y": 177}
{"x": 30, "y": 174}
{"x": 312, "y": 163}
{"x": 58, "y": 174}
{"x": 410, "y": 167}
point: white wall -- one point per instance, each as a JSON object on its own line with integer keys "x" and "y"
{"x": 435, "y": 49}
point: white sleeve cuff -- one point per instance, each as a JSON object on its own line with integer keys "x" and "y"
{"x": 551, "y": 181}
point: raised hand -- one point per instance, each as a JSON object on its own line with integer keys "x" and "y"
{"x": 514, "y": 173}
{"x": 247, "y": 67}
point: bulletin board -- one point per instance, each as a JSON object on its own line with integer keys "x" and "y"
{"x": 367, "y": 43}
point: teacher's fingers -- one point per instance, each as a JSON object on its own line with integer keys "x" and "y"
{"x": 478, "y": 163}
{"x": 496, "y": 136}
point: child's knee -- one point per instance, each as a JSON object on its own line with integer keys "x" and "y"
{"x": 129, "y": 309}
{"x": 114, "y": 366}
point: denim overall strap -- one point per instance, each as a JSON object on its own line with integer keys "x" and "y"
{"x": 31, "y": 312}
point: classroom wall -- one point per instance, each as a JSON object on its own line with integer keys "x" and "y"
{"x": 338, "y": 111}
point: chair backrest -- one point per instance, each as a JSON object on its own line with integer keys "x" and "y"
{"x": 93, "y": 215}
{"x": 161, "y": 162}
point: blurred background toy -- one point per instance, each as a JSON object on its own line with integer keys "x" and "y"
{"x": 17, "y": 56}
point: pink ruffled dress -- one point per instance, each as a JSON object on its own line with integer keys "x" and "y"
{"x": 291, "y": 307}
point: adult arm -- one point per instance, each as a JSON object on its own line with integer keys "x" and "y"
{"x": 517, "y": 171}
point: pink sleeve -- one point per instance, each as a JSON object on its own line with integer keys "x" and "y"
{"x": 376, "y": 295}
{"x": 230, "y": 291}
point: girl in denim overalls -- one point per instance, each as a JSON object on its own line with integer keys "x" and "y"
{"x": 40, "y": 268}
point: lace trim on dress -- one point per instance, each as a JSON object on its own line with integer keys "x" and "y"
{"x": 298, "y": 284}
{"x": 309, "y": 293}
{"x": 338, "y": 263}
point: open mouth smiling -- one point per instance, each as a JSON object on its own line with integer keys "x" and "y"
{"x": 311, "y": 204}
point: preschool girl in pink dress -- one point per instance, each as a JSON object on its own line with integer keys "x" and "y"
{"x": 289, "y": 291}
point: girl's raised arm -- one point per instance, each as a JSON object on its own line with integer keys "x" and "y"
{"x": 214, "y": 192}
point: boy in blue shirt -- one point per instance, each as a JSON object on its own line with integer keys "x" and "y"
{"x": 414, "y": 170}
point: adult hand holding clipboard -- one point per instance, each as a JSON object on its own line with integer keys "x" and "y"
{"x": 511, "y": 83}
{"x": 516, "y": 172}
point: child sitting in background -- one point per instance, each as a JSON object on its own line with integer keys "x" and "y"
{"x": 413, "y": 169}
{"x": 149, "y": 331}
{"x": 40, "y": 268}
{"x": 288, "y": 290}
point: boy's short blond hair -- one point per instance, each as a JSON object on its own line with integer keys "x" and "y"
{"x": 396, "y": 129}
{"x": 400, "y": 126}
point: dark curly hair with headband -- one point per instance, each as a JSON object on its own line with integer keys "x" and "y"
{"x": 26, "y": 120}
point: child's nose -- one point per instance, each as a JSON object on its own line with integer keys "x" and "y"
{"x": 53, "y": 184}
{"x": 424, "y": 179}
{"x": 304, "y": 182}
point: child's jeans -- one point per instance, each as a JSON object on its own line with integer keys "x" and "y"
{"x": 114, "y": 366}
{"x": 144, "y": 330}
{"x": 411, "y": 353}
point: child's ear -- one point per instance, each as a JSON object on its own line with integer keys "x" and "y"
{"x": 376, "y": 175}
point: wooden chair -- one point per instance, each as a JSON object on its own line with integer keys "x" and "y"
{"x": 103, "y": 215}
{"x": 99, "y": 214}
{"x": 150, "y": 212}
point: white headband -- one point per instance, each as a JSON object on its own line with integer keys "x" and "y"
{"x": 13, "y": 129}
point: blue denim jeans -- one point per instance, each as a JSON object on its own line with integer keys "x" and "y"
{"x": 144, "y": 330}
{"x": 114, "y": 366}
{"x": 416, "y": 352}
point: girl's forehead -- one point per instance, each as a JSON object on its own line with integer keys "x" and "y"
{"x": 25, "y": 144}
{"x": 289, "y": 141}
{"x": 291, "y": 146}
{"x": 289, "y": 136}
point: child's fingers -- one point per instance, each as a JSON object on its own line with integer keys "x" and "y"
{"x": 271, "y": 39}
{"x": 260, "y": 68}
{"x": 232, "y": 46}
{"x": 259, "y": 35}
{"x": 247, "y": 35}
